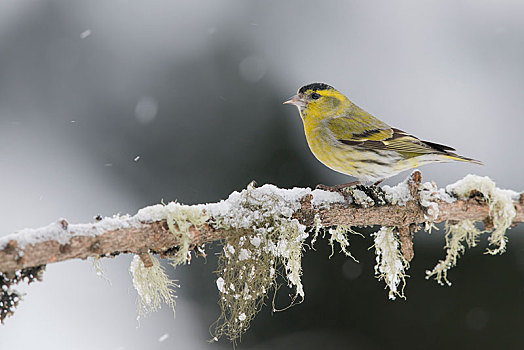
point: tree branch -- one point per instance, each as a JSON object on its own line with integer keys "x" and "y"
{"x": 148, "y": 231}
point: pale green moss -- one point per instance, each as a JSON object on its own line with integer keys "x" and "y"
{"x": 263, "y": 243}
{"x": 456, "y": 235}
{"x": 153, "y": 286}
{"x": 339, "y": 234}
{"x": 248, "y": 269}
{"x": 391, "y": 265}
{"x": 98, "y": 269}
{"x": 179, "y": 219}
{"x": 462, "y": 233}
{"x": 317, "y": 227}
{"x": 501, "y": 208}
{"x": 430, "y": 226}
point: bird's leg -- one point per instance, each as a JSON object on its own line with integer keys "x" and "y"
{"x": 337, "y": 188}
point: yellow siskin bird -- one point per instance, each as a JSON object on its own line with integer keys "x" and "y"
{"x": 351, "y": 141}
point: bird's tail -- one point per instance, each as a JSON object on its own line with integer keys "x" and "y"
{"x": 454, "y": 156}
{"x": 446, "y": 151}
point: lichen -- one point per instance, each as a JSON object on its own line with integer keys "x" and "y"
{"x": 501, "y": 208}
{"x": 501, "y": 214}
{"x": 9, "y": 297}
{"x": 264, "y": 243}
{"x": 339, "y": 234}
{"x": 456, "y": 235}
{"x": 361, "y": 199}
{"x": 153, "y": 286}
{"x": 429, "y": 195}
{"x": 98, "y": 269}
{"x": 179, "y": 219}
{"x": 249, "y": 268}
{"x": 391, "y": 265}
{"x": 365, "y": 196}
{"x": 316, "y": 229}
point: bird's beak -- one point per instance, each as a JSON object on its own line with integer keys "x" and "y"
{"x": 297, "y": 101}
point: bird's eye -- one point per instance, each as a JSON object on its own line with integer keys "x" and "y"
{"x": 315, "y": 96}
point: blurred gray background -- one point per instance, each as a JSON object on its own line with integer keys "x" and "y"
{"x": 107, "y": 106}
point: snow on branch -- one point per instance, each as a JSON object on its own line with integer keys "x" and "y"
{"x": 148, "y": 231}
{"x": 264, "y": 231}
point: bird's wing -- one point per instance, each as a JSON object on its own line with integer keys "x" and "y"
{"x": 374, "y": 134}
{"x": 359, "y": 126}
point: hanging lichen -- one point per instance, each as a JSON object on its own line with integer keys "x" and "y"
{"x": 9, "y": 297}
{"x": 339, "y": 234}
{"x": 456, "y": 234}
{"x": 252, "y": 261}
{"x": 501, "y": 213}
{"x": 179, "y": 220}
{"x": 153, "y": 286}
{"x": 98, "y": 269}
{"x": 265, "y": 242}
{"x": 391, "y": 266}
{"x": 501, "y": 208}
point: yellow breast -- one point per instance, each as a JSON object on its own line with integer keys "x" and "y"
{"x": 328, "y": 150}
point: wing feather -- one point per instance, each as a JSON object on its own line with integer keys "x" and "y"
{"x": 374, "y": 134}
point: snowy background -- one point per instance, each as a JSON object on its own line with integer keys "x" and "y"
{"x": 108, "y": 106}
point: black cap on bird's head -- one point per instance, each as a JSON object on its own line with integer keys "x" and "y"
{"x": 308, "y": 93}
{"x": 315, "y": 87}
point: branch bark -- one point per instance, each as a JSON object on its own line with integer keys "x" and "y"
{"x": 139, "y": 237}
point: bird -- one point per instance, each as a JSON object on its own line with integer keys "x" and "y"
{"x": 349, "y": 140}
